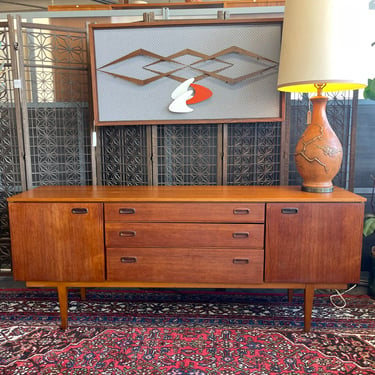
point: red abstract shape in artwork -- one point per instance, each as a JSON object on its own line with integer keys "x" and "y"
{"x": 200, "y": 93}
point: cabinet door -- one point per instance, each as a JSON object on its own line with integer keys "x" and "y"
{"x": 57, "y": 241}
{"x": 313, "y": 242}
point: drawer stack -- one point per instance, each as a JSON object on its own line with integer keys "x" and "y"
{"x": 185, "y": 242}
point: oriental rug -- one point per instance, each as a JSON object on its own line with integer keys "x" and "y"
{"x": 182, "y": 332}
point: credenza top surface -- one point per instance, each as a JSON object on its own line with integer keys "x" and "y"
{"x": 181, "y": 194}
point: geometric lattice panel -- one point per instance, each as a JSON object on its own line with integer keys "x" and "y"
{"x": 59, "y": 146}
{"x": 123, "y": 152}
{"x": 10, "y": 173}
{"x": 253, "y": 154}
{"x": 187, "y": 154}
{"x": 56, "y": 73}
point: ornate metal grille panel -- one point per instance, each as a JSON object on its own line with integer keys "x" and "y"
{"x": 254, "y": 154}
{"x": 123, "y": 157}
{"x": 59, "y": 146}
{"x": 339, "y": 113}
{"x": 56, "y": 74}
{"x": 187, "y": 155}
{"x": 10, "y": 174}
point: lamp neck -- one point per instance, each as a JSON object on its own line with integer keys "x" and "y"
{"x": 319, "y": 114}
{"x": 319, "y": 87}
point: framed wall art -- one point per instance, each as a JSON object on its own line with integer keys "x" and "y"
{"x": 185, "y": 72}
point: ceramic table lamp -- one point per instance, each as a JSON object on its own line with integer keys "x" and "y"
{"x": 322, "y": 50}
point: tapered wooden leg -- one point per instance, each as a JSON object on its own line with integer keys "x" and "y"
{"x": 309, "y": 299}
{"x": 290, "y": 295}
{"x": 62, "y": 291}
{"x": 83, "y": 294}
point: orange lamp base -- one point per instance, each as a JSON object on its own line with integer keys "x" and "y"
{"x": 318, "y": 153}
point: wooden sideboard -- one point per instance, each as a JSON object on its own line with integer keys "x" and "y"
{"x": 186, "y": 237}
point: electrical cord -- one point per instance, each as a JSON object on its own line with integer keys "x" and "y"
{"x": 341, "y": 297}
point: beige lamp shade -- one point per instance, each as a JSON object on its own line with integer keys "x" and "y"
{"x": 324, "y": 42}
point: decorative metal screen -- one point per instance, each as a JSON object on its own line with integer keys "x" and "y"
{"x": 56, "y": 78}
{"x": 59, "y": 146}
{"x": 123, "y": 155}
{"x": 187, "y": 155}
{"x": 206, "y": 154}
{"x": 253, "y": 154}
{"x": 10, "y": 173}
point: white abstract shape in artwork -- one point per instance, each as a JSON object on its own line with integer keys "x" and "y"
{"x": 183, "y": 87}
{"x": 179, "y": 104}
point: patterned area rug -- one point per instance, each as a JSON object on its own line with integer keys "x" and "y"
{"x": 179, "y": 332}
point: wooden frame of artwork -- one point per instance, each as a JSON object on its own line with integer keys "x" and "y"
{"x": 171, "y": 72}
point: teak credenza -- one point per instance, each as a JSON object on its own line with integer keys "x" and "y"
{"x": 186, "y": 237}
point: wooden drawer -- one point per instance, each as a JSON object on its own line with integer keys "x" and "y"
{"x": 186, "y": 212}
{"x": 179, "y": 265}
{"x": 184, "y": 235}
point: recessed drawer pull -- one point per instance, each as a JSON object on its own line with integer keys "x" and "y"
{"x": 126, "y": 211}
{"x": 289, "y": 211}
{"x": 80, "y": 210}
{"x": 241, "y": 211}
{"x": 128, "y": 260}
{"x": 240, "y": 235}
{"x": 240, "y": 261}
{"x": 127, "y": 233}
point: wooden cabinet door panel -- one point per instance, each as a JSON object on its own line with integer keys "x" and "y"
{"x": 184, "y": 235}
{"x": 313, "y": 242}
{"x": 57, "y": 241}
{"x": 186, "y": 212}
{"x": 182, "y": 265}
